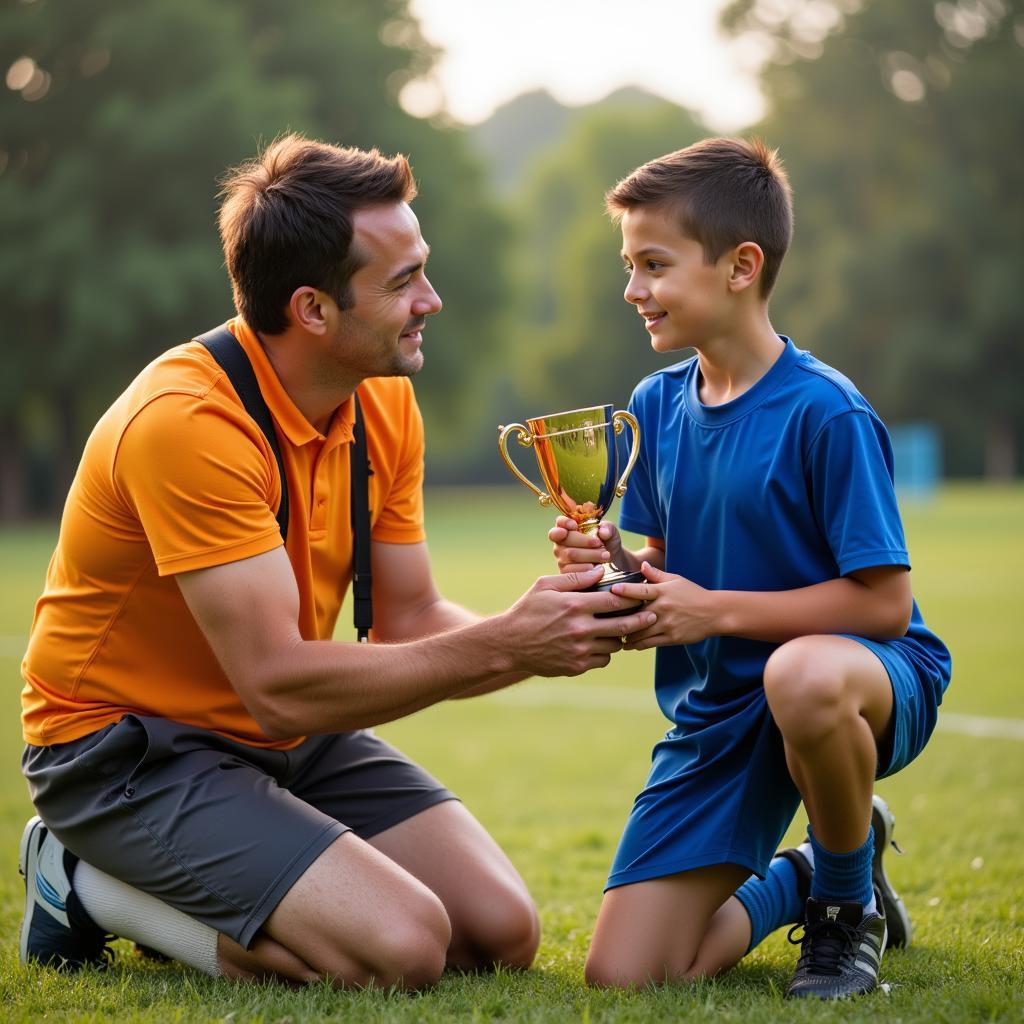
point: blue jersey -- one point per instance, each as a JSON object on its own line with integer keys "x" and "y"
{"x": 789, "y": 485}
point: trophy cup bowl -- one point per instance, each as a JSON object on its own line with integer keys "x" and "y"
{"x": 578, "y": 462}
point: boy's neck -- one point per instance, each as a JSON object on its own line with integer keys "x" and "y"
{"x": 733, "y": 363}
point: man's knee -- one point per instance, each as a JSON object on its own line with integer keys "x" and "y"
{"x": 410, "y": 953}
{"x": 805, "y": 691}
{"x": 506, "y": 931}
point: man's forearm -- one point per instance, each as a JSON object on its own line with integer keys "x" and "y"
{"x": 323, "y": 686}
{"x": 441, "y": 616}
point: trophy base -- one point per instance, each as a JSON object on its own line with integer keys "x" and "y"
{"x": 610, "y": 579}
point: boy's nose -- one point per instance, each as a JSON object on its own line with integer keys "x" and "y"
{"x": 635, "y": 292}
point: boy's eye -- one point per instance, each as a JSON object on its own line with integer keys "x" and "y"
{"x": 627, "y": 269}
{"x": 653, "y": 265}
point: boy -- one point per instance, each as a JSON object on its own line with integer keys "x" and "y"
{"x": 792, "y": 658}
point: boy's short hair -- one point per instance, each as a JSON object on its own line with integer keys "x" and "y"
{"x": 286, "y": 221}
{"x": 724, "y": 192}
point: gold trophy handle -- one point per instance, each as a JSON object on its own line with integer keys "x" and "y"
{"x": 620, "y": 418}
{"x": 525, "y": 438}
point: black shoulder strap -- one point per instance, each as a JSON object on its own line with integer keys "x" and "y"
{"x": 231, "y": 357}
{"x": 362, "y": 579}
{"x": 224, "y": 347}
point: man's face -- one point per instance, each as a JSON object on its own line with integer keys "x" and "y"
{"x": 380, "y": 335}
{"x": 683, "y": 300}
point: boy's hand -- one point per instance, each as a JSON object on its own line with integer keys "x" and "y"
{"x": 577, "y": 552}
{"x": 686, "y": 612}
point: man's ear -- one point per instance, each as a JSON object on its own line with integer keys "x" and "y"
{"x": 747, "y": 263}
{"x": 305, "y": 309}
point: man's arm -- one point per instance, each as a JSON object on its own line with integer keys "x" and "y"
{"x": 407, "y": 604}
{"x": 248, "y": 611}
{"x": 874, "y": 602}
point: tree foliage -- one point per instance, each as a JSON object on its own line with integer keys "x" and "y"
{"x": 118, "y": 121}
{"x": 901, "y": 126}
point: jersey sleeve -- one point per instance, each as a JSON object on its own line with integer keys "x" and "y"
{"x": 401, "y": 518}
{"x": 200, "y": 482}
{"x": 640, "y": 511}
{"x": 850, "y": 469}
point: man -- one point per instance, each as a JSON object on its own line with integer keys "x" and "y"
{"x": 196, "y": 741}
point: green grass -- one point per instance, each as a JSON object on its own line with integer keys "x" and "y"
{"x": 553, "y": 782}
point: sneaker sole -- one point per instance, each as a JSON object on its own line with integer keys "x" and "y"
{"x": 28, "y": 857}
{"x": 897, "y": 920}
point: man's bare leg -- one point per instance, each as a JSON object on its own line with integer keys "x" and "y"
{"x": 493, "y": 918}
{"x": 355, "y": 917}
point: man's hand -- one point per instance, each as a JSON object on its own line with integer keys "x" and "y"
{"x": 576, "y": 552}
{"x": 553, "y": 631}
{"x": 686, "y": 613}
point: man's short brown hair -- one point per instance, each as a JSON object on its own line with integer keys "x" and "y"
{"x": 723, "y": 192}
{"x": 286, "y": 221}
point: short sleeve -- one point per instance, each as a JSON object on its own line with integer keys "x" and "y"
{"x": 850, "y": 470}
{"x": 199, "y": 480}
{"x": 639, "y": 512}
{"x": 401, "y": 517}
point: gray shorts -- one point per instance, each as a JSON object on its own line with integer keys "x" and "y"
{"x": 218, "y": 829}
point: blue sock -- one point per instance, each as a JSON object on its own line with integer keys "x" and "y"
{"x": 772, "y": 901}
{"x": 843, "y": 876}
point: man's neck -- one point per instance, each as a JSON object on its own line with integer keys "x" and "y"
{"x": 735, "y": 362}
{"x": 316, "y": 394}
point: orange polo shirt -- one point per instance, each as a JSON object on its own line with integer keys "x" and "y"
{"x": 176, "y": 476}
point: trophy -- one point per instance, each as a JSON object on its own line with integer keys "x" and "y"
{"x": 578, "y": 460}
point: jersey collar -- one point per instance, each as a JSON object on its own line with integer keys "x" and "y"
{"x": 287, "y": 416}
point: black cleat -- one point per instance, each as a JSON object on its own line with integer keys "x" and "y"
{"x": 55, "y": 931}
{"x": 840, "y": 951}
{"x": 897, "y": 919}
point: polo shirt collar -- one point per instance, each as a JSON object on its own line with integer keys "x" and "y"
{"x": 296, "y": 428}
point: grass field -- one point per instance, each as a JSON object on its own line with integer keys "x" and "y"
{"x": 551, "y": 769}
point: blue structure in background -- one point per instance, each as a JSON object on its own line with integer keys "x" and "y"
{"x": 917, "y": 451}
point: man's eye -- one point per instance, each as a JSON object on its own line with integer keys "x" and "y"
{"x": 405, "y": 284}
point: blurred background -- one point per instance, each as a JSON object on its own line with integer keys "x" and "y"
{"x": 902, "y": 127}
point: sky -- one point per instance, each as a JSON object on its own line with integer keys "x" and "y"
{"x": 580, "y": 50}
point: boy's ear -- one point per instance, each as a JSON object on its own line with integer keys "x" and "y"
{"x": 746, "y": 263}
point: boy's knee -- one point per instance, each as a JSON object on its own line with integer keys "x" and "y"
{"x": 805, "y": 692}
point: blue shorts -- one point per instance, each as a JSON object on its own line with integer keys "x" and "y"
{"x": 723, "y": 794}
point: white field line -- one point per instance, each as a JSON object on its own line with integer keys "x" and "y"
{"x": 584, "y": 697}
{"x": 617, "y": 698}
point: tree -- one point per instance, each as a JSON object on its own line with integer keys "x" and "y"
{"x": 118, "y": 121}
{"x": 897, "y": 123}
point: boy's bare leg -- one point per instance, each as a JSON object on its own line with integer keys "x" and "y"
{"x": 492, "y": 916}
{"x": 654, "y": 931}
{"x": 832, "y": 701}
{"x": 355, "y": 917}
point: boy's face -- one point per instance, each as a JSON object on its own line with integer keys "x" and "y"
{"x": 683, "y": 300}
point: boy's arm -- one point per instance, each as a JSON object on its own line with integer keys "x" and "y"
{"x": 873, "y": 602}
